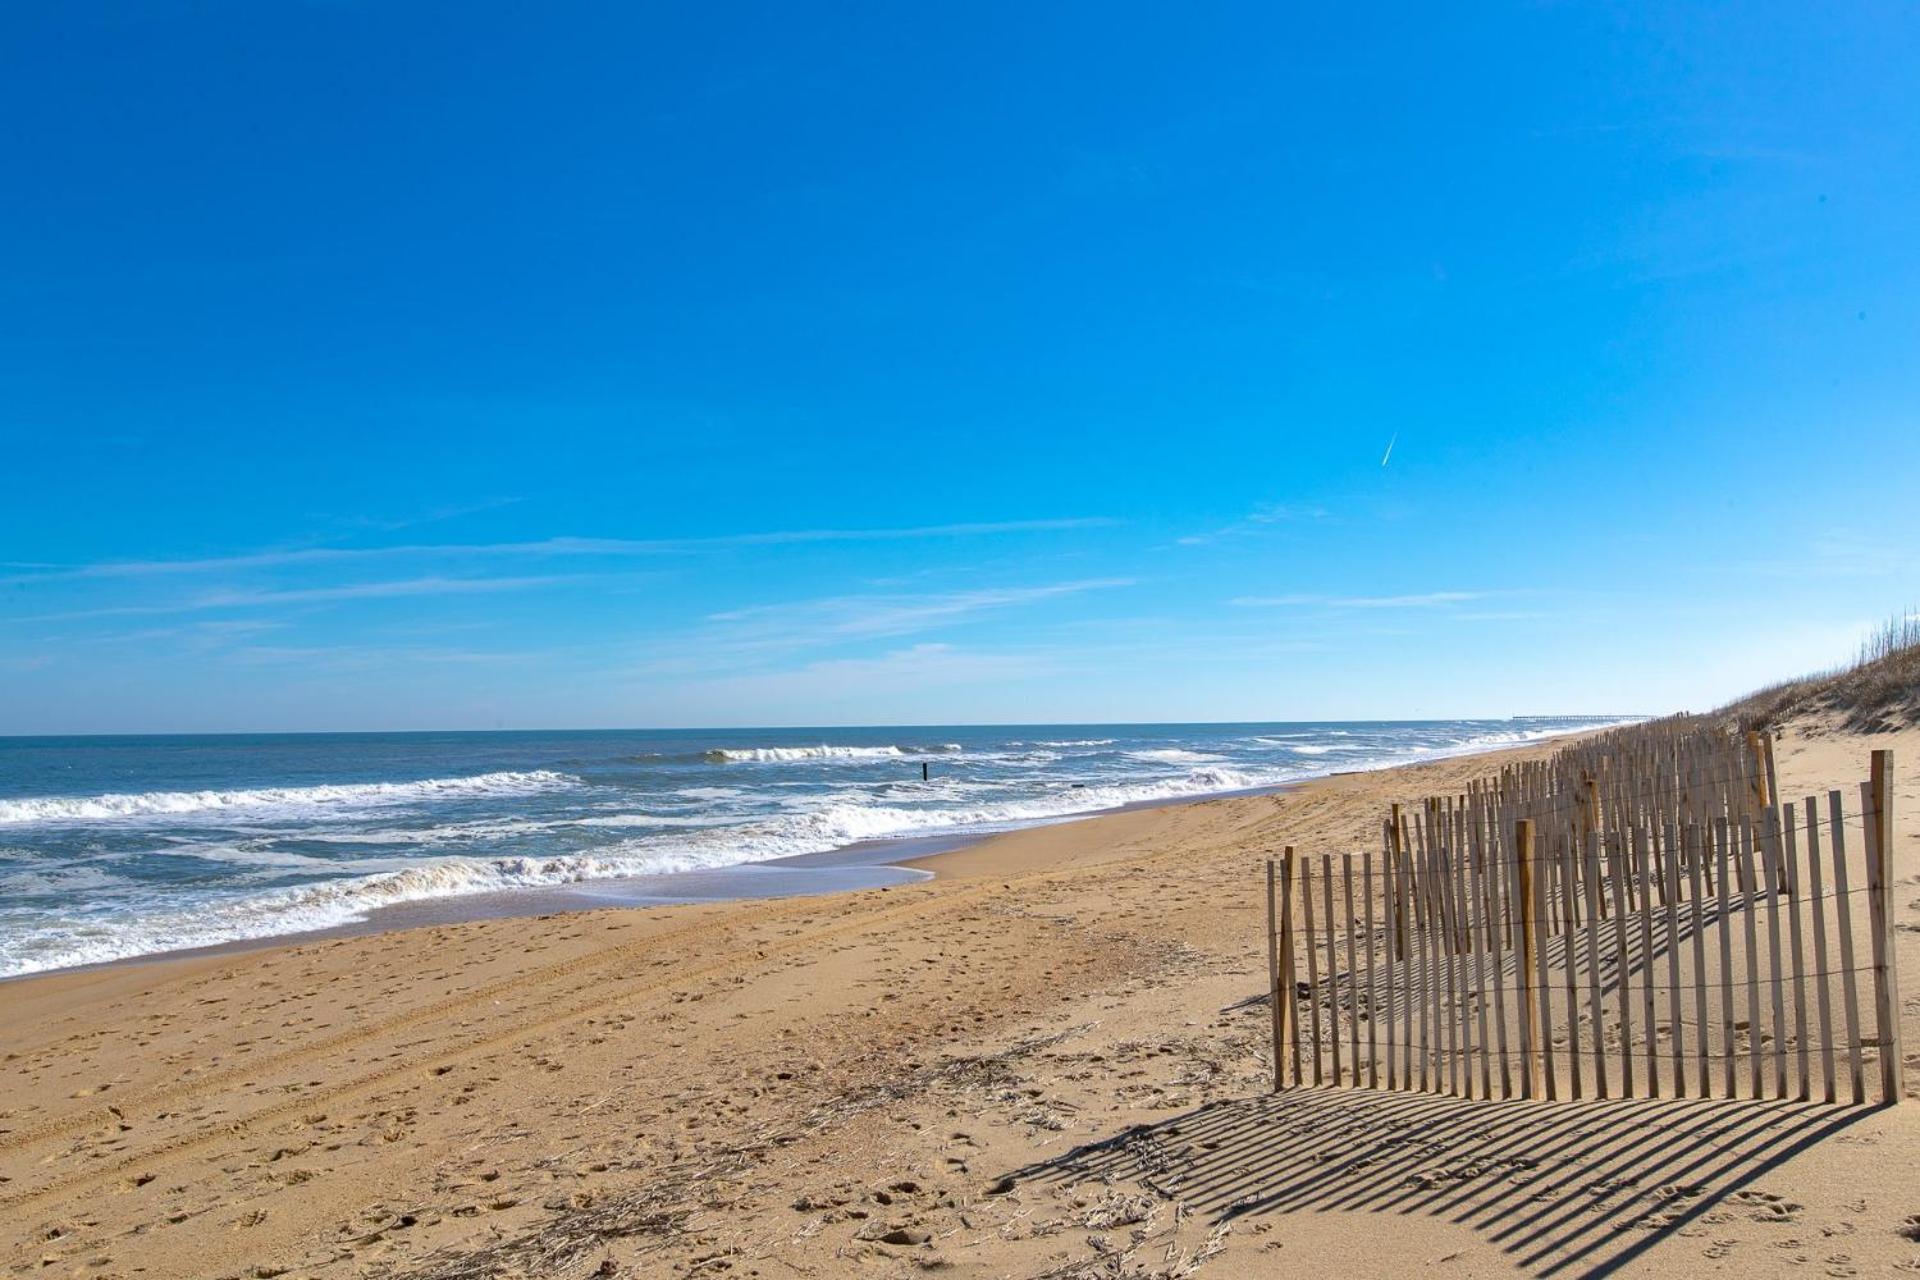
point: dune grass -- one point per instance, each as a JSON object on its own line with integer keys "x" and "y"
{"x": 1878, "y": 691}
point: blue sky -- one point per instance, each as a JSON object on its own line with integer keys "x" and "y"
{"x": 394, "y": 365}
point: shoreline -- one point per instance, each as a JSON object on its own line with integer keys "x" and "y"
{"x": 880, "y": 863}
{"x": 852, "y": 868}
{"x": 985, "y": 1071}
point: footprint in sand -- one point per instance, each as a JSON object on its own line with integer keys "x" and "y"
{"x": 1768, "y": 1207}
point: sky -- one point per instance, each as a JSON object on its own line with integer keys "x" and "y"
{"x": 403, "y": 366}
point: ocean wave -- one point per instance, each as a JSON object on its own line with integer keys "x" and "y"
{"x": 60, "y": 809}
{"x": 329, "y": 904}
{"x": 595, "y": 833}
{"x": 787, "y": 755}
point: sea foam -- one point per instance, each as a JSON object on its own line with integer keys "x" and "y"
{"x": 67, "y": 809}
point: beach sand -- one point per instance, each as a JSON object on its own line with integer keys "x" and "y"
{"x": 1047, "y": 1061}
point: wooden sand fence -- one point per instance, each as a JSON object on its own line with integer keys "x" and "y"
{"x": 1638, "y": 915}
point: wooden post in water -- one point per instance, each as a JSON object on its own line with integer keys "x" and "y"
{"x": 1877, "y": 792}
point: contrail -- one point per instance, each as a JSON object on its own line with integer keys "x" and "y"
{"x": 1389, "y": 452}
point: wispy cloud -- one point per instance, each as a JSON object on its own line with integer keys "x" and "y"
{"x": 538, "y": 548}
{"x": 759, "y": 636}
{"x": 901, "y": 672}
{"x": 1264, "y": 515}
{"x": 1425, "y": 600}
{"x": 370, "y": 657}
{"x": 889, "y": 615}
{"x": 405, "y": 587}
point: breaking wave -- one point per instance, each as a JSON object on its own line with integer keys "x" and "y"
{"x": 787, "y": 755}
{"x": 64, "y": 809}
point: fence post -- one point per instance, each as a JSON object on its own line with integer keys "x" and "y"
{"x": 1843, "y": 912}
{"x": 1313, "y": 961}
{"x": 1523, "y": 866}
{"x": 1886, "y": 974}
{"x": 1288, "y": 981}
{"x": 1273, "y": 980}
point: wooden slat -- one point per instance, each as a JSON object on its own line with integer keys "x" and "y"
{"x": 1474, "y": 856}
{"x": 1524, "y": 894}
{"x": 1749, "y": 888}
{"x": 1595, "y": 903}
{"x": 1391, "y": 906}
{"x": 1843, "y": 925}
{"x": 1313, "y": 962}
{"x": 1695, "y": 838}
{"x": 1288, "y": 978}
{"x": 1771, "y": 880}
{"x": 1373, "y": 997}
{"x": 1797, "y": 949}
{"x": 1568, "y": 862}
{"x": 1273, "y": 980}
{"x": 1676, "y": 1019}
{"x": 1544, "y": 995}
{"x": 1333, "y": 967}
{"x": 1449, "y": 956}
{"x": 1423, "y": 923}
{"x": 1623, "y": 968}
{"x": 1501, "y": 932}
{"x": 1353, "y": 968}
{"x": 1642, "y": 870}
{"x": 1408, "y": 993}
{"x": 1817, "y": 900}
{"x": 1721, "y": 860}
{"x": 1877, "y": 797}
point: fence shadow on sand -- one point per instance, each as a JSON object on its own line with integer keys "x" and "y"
{"x": 1568, "y": 1189}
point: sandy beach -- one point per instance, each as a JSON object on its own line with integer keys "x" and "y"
{"x": 1046, "y": 1061}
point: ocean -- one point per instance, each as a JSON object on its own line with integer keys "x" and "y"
{"x": 127, "y": 846}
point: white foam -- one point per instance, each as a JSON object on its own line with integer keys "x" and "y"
{"x": 834, "y": 823}
{"x": 70, "y": 809}
{"x": 788, "y": 755}
{"x": 109, "y": 927}
{"x": 1171, "y": 755}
